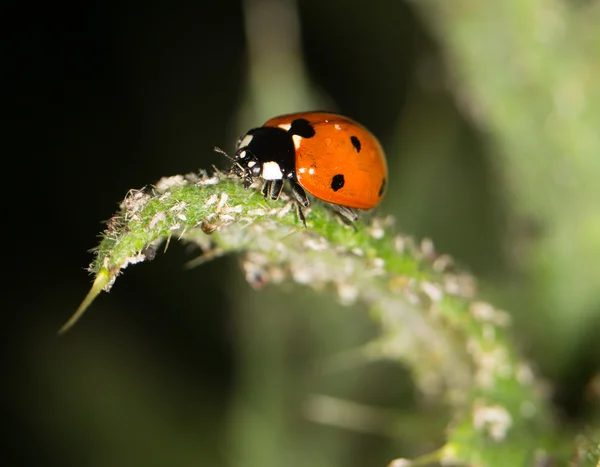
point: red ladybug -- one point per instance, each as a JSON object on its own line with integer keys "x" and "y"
{"x": 332, "y": 157}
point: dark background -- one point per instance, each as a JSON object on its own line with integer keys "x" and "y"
{"x": 107, "y": 97}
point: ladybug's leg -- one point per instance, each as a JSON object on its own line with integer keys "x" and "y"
{"x": 247, "y": 182}
{"x": 299, "y": 194}
{"x": 346, "y": 213}
{"x": 301, "y": 200}
{"x": 272, "y": 189}
{"x": 265, "y": 188}
{"x": 300, "y": 215}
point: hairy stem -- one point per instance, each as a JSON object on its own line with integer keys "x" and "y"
{"x": 431, "y": 320}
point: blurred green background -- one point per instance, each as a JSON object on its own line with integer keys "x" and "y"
{"x": 191, "y": 367}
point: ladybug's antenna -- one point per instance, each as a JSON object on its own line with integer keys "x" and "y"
{"x": 232, "y": 159}
{"x": 219, "y": 150}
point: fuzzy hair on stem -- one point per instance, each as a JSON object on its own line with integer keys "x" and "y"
{"x": 456, "y": 346}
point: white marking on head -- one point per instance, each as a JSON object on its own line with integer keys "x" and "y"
{"x": 311, "y": 171}
{"x": 301, "y": 170}
{"x": 241, "y": 155}
{"x": 245, "y": 141}
{"x": 285, "y": 126}
{"x": 337, "y": 126}
{"x": 251, "y": 163}
{"x": 297, "y": 141}
{"x": 271, "y": 171}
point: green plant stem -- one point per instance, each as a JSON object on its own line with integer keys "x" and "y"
{"x": 456, "y": 346}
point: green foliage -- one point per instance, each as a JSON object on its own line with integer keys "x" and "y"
{"x": 526, "y": 73}
{"x": 456, "y": 346}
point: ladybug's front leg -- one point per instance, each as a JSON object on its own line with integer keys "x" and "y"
{"x": 272, "y": 189}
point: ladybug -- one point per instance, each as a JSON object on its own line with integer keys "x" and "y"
{"x": 332, "y": 157}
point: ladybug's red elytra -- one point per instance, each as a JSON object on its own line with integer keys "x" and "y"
{"x": 330, "y": 156}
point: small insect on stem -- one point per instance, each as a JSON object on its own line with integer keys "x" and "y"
{"x": 329, "y": 156}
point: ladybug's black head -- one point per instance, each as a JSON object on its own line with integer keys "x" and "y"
{"x": 245, "y": 164}
{"x": 267, "y": 152}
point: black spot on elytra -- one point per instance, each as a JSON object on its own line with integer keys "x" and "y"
{"x": 355, "y": 142}
{"x": 382, "y": 187}
{"x": 302, "y": 128}
{"x": 337, "y": 182}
